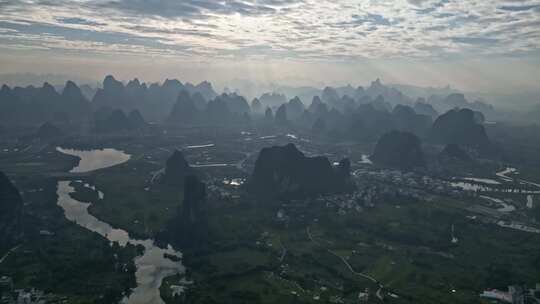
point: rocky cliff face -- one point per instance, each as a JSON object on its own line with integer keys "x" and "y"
{"x": 285, "y": 172}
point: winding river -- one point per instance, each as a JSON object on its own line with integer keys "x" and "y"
{"x": 153, "y": 266}
{"x": 489, "y": 185}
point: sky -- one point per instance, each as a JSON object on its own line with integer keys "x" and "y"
{"x": 475, "y": 45}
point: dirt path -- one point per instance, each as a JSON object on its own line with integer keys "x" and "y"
{"x": 8, "y": 253}
{"x": 365, "y": 276}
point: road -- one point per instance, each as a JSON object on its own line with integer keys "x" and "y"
{"x": 8, "y": 253}
{"x": 283, "y": 251}
{"x": 156, "y": 174}
{"x": 240, "y": 164}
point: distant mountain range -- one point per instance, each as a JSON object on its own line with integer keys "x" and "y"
{"x": 340, "y": 113}
{"x": 154, "y": 100}
{"x": 37, "y": 105}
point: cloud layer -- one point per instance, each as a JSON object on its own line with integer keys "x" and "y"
{"x": 305, "y": 30}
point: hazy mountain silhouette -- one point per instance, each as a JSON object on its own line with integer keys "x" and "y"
{"x": 155, "y": 101}
{"x": 184, "y": 110}
{"x": 421, "y": 107}
{"x": 114, "y": 121}
{"x": 272, "y": 99}
{"x": 49, "y": 131}
{"x": 295, "y": 108}
{"x": 281, "y": 118}
{"x": 406, "y": 119}
{"x": 31, "y": 105}
{"x": 256, "y": 106}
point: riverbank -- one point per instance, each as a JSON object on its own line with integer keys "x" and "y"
{"x": 153, "y": 265}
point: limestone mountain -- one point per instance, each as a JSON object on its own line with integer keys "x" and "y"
{"x": 406, "y": 119}
{"x": 281, "y": 117}
{"x": 256, "y": 106}
{"x": 295, "y": 108}
{"x": 330, "y": 96}
{"x": 272, "y": 99}
{"x": 390, "y": 95}
{"x": 268, "y": 115}
{"x": 401, "y": 150}
{"x": 454, "y": 152}
{"x": 154, "y": 101}
{"x": 74, "y": 103}
{"x": 136, "y": 120}
{"x": 459, "y": 127}
{"x": 184, "y": 110}
{"x": 114, "y": 121}
{"x": 317, "y": 107}
{"x": 189, "y": 227}
{"x": 11, "y": 212}
{"x": 235, "y": 103}
{"x": 421, "y": 107}
{"x": 285, "y": 172}
{"x": 199, "y": 101}
{"x": 49, "y": 131}
{"x": 35, "y": 106}
{"x": 319, "y": 127}
{"x": 176, "y": 169}
{"x": 217, "y": 112}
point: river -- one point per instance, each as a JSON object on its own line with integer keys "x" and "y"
{"x": 152, "y": 266}
{"x": 491, "y": 185}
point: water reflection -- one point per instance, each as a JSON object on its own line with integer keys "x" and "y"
{"x": 95, "y": 159}
{"x": 482, "y": 180}
{"x": 200, "y": 146}
{"x": 366, "y": 160}
{"x": 77, "y": 212}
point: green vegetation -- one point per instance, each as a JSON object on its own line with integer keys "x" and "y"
{"x": 61, "y": 258}
{"x": 408, "y": 249}
{"x": 313, "y": 255}
{"x": 131, "y": 201}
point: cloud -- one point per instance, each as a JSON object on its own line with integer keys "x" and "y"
{"x": 76, "y": 20}
{"x": 417, "y": 2}
{"x": 194, "y": 8}
{"x": 374, "y": 19}
{"x": 518, "y": 8}
{"x": 474, "y": 40}
{"x": 277, "y": 29}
